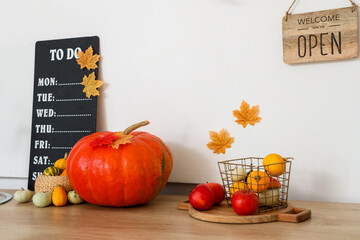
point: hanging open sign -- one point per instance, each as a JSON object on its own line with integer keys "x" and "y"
{"x": 320, "y": 36}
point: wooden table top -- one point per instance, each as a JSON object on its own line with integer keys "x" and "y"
{"x": 160, "y": 219}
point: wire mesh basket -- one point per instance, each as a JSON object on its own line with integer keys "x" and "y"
{"x": 250, "y": 174}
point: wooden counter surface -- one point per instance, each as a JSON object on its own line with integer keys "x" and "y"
{"x": 160, "y": 219}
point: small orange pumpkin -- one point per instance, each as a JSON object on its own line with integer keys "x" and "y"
{"x": 236, "y": 186}
{"x": 258, "y": 181}
{"x": 61, "y": 163}
{"x": 274, "y": 164}
{"x": 63, "y": 173}
{"x": 59, "y": 197}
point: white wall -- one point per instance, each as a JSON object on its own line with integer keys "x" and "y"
{"x": 185, "y": 65}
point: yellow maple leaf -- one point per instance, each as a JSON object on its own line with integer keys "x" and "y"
{"x": 122, "y": 139}
{"x": 220, "y": 141}
{"x": 91, "y": 85}
{"x": 247, "y": 115}
{"x": 88, "y": 59}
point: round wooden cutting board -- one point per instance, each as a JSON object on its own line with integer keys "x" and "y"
{"x": 225, "y": 214}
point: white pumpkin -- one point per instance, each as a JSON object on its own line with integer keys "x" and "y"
{"x": 42, "y": 199}
{"x": 238, "y": 174}
{"x": 23, "y": 196}
{"x": 270, "y": 197}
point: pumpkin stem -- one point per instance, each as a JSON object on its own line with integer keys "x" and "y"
{"x": 135, "y": 126}
{"x": 65, "y": 156}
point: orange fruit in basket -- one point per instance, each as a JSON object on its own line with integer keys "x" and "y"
{"x": 274, "y": 164}
{"x": 258, "y": 181}
{"x": 236, "y": 186}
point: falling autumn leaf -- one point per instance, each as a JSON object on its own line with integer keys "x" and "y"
{"x": 87, "y": 59}
{"x": 220, "y": 141}
{"x": 91, "y": 85}
{"x": 121, "y": 139}
{"x": 247, "y": 115}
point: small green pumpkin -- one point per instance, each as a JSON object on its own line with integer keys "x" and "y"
{"x": 52, "y": 171}
{"x": 74, "y": 198}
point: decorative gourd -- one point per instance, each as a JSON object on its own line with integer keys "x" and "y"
{"x": 238, "y": 174}
{"x": 59, "y": 197}
{"x": 274, "y": 183}
{"x": 236, "y": 186}
{"x": 74, "y": 198}
{"x": 52, "y": 171}
{"x": 119, "y": 169}
{"x": 61, "y": 163}
{"x": 274, "y": 164}
{"x": 63, "y": 173}
{"x": 270, "y": 197}
{"x": 258, "y": 181}
{"x": 42, "y": 199}
{"x": 23, "y": 196}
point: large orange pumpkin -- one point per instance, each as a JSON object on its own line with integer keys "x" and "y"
{"x": 132, "y": 174}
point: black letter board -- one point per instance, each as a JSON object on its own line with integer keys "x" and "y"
{"x": 62, "y": 114}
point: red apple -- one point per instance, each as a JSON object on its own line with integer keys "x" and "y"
{"x": 201, "y": 197}
{"x": 219, "y": 192}
{"x": 245, "y": 202}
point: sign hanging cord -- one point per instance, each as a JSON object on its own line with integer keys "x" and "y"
{"x": 287, "y": 12}
{"x": 354, "y": 6}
